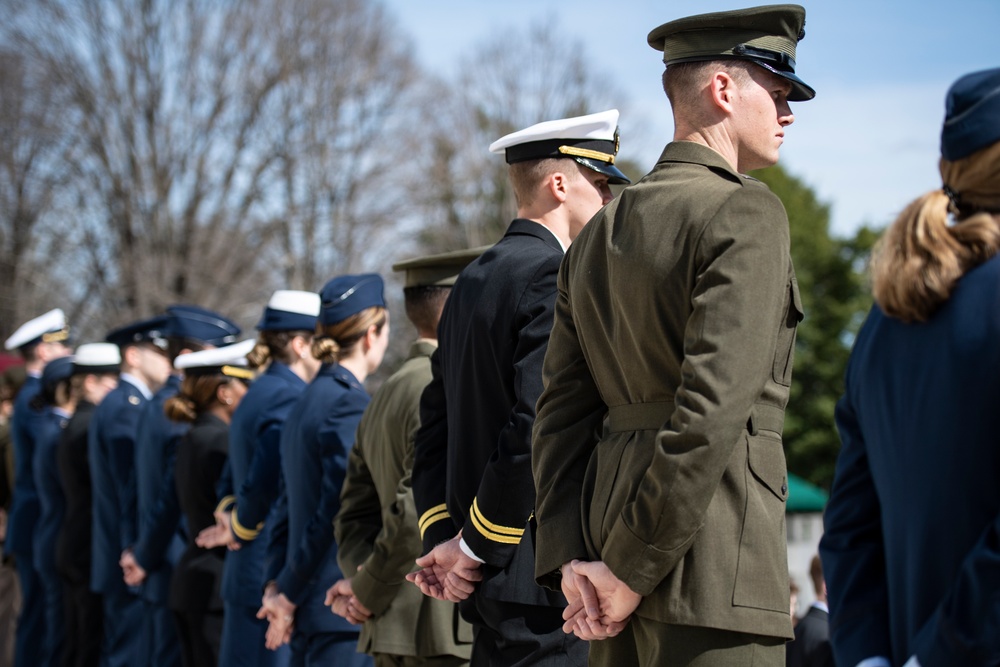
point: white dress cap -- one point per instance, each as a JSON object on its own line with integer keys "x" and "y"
{"x": 97, "y": 354}
{"x": 32, "y": 330}
{"x": 230, "y": 355}
{"x": 295, "y": 301}
{"x": 599, "y": 126}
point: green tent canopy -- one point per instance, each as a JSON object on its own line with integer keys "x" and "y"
{"x": 803, "y": 496}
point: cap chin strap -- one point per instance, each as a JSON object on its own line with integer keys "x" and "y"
{"x": 777, "y": 59}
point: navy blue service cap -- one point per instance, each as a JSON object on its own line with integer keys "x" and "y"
{"x": 153, "y": 331}
{"x": 56, "y": 371}
{"x": 437, "y": 270}
{"x": 591, "y": 140}
{"x": 766, "y": 36}
{"x": 96, "y": 358}
{"x": 230, "y": 361}
{"x": 971, "y": 115}
{"x": 290, "y": 310}
{"x": 349, "y": 295}
{"x": 200, "y": 324}
{"x": 48, "y": 328}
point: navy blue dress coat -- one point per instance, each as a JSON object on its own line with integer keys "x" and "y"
{"x": 25, "y": 508}
{"x": 52, "y": 502}
{"x": 73, "y": 545}
{"x": 911, "y": 550}
{"x": 255, "y": 466}
{"x": 111, "y": 453}
{"x": 161, "y": 539}
{"x": 315, "y": 444}
{"x": 200, "y": 458}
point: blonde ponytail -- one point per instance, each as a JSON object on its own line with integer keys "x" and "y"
{"x": 920, "y": 258}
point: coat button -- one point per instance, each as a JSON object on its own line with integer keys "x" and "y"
{"x": 784, "y": 489}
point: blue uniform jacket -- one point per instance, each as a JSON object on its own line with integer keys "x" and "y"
{"x": 911, "y": 551}
{"x": 315, "y": 444}
{"x": 161, "y": 539}
{"x": 50, "y": 493}
{"x": 255, "y": 466}
{"x": 111, "y": 453}
{"x": 25, "y": 508}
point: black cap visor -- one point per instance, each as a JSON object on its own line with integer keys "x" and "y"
{"x": 614, "y": 174}
{"x": 801, "y": 91}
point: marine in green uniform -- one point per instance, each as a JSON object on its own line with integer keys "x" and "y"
{"x": 657, "y": 452}
{"x": 376, "y": 527}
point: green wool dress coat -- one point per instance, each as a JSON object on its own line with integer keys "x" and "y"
{"x": 376, "y": 527}
{"x": 657, "y": 446}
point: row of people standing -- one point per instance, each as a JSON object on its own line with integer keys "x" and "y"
{"x": 149, "y": 448}
{"x": 480, "y": 454}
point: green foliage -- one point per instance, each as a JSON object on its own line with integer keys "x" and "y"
{"x": 835, "y": 298}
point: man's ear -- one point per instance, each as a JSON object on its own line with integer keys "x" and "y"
{"x": 722, "y": 89}
{"x": 557, "y": 184}
{"x": 130, "y": 355}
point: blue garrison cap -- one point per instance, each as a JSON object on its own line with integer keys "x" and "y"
{"x": 290, "y": 310}
{"x": 154, "y": 330}
{"x": 201, "y": 324}
{"x": 348, "y": 295}
{"x": 971, "y": 113}
{"x": 56, "y": 370}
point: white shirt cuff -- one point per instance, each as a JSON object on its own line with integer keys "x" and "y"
{"x": 467, "y": 550}
{"x": 912, "y": 662}
{"x": 874, "y": 662}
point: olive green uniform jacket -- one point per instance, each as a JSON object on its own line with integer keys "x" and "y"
{"x": 377, "y": 525}
{"x": 675, "y": 323}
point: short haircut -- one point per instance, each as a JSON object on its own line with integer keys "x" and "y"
{"x": 527, "y": 176}
{"x": 681, "y": 82}
{"x": 424, "y": 304}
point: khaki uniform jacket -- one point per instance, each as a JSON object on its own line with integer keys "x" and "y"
{"x": 675, "y": 322}
{"x": 377, "y": 525}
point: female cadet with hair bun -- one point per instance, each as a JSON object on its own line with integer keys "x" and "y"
{"x": 215, "y": 381}
{"x": 912, "y": 529}
{"x": 351, "y": 339}
{"x": 285, "y": 333}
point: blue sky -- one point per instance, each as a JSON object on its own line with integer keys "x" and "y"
{"x": 867, "y": 144}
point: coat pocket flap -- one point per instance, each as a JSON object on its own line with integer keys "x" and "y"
{"x": 766, "y": 459}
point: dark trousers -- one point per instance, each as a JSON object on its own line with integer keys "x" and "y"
{"x": 31, "y": 621}
{"x": 124, "y": 635}
{"x": 511, "y": 634}
{"x": 243, "y": 640}
{"x": 162, "y": 635}
{"x": 327, "y": 648}
{"x": 646, "y": 642}
{"x": 55, "y": 620}
{"x": 84, "y": 626}
{"x": 201, "y": 635}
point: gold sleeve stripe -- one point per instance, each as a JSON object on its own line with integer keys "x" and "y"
{"x": 492, "y": 531}
{"x": 427, "y": 521}
{"x": 225, "y": 504}
{"x": 242, "y": 532}
{"x": 431, "y": 515}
